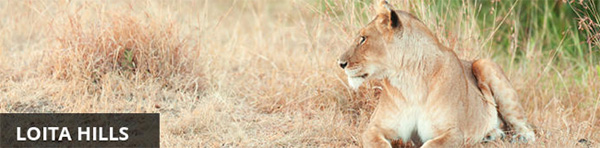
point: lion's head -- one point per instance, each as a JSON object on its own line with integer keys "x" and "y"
{"x": 393, "y": 38}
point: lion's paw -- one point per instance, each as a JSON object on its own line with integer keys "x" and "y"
{"x": 493, "y": 135}
{"x": 524, "y": 137}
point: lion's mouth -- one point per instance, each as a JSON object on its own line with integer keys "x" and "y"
{"x": 357, "y": 76}
{"x": 355, "y": 73}
{"x": 356, "y": 81}
{"x": 363, "y": 75}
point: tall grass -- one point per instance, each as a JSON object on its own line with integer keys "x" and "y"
{"x": 115, "y": 43}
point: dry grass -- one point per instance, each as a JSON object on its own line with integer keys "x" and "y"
{"x": 257, "y": 73}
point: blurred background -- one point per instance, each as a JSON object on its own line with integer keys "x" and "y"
{"x": 263, "y": 73}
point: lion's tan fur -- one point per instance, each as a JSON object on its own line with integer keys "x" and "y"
{"x": 430, "y": 96}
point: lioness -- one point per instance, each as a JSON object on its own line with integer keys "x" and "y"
{"x": 430, "y": 96}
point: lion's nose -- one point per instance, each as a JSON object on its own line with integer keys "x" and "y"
{"x": 343, "y": 64}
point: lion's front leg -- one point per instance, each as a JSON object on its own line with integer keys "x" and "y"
{"x": 384, "y": 125}
{"x": 448, "y": 138}
{"x": 374, "y": 138}
{"x": 377, "y": 137}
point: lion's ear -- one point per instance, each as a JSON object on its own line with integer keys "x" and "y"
{"x": 387, "y": 18}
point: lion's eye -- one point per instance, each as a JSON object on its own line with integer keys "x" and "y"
{"x": 362, "y": 40}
